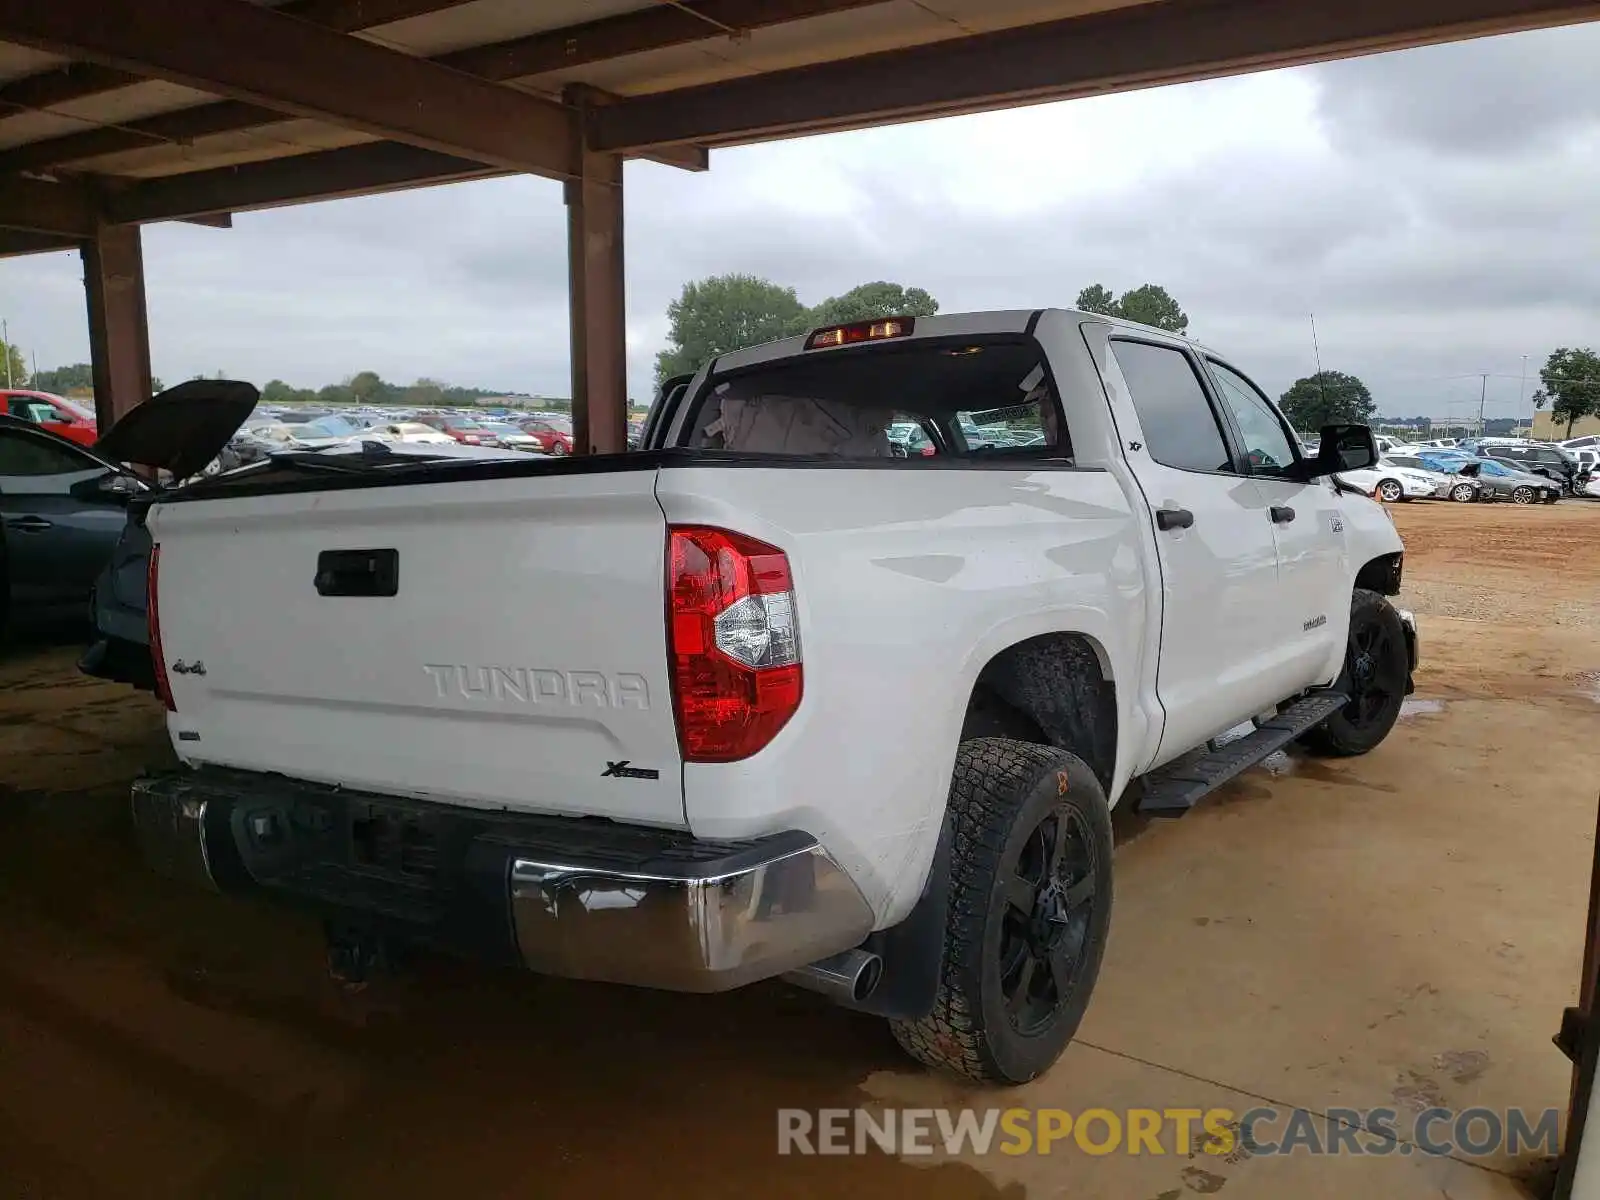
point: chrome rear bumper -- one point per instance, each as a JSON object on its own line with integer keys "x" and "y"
{"x": 577, "y": 897}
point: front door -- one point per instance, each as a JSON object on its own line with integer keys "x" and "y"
{"x": 1214, "y": 538}
{"x": 1314, "y": 572}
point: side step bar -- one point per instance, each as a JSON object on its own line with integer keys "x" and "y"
{"x": 1172, "y": 790}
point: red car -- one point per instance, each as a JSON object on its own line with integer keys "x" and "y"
{"x": 59, "y": 415}
{"x": 464, "y": 429}
{"x": 554, "y": 434}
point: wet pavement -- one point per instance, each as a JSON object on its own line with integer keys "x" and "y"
{"x": 1397, "y": 930}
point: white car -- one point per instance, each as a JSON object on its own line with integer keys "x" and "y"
{"x": 411, "y": 432}
{"x": 1387, "y": 480}
{"x": 691, "y": 771}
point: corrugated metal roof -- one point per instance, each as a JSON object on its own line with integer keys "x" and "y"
{"x": 861, "y": 30}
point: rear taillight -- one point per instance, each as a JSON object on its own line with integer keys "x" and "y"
{"x": 734, "y": 641}
{"x": 152, "y": 607}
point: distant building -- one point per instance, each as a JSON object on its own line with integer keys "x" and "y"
{"x": 1548, "y": 429}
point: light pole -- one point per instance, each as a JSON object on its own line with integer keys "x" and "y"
{"x": 1522, "y": 393}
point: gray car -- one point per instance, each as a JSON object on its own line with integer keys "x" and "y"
{"x": 1497, "y": 481}
{"x": 63, "y": 508}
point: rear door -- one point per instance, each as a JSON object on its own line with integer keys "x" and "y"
{"x": 499, "y": 642}
{"x": 1219, "y": 658}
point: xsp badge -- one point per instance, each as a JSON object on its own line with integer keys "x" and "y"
{"x": 1316, "y": 622}
{"x": 621, "y": 770}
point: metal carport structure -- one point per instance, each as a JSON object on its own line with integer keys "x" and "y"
{"x": 117, "y": 113}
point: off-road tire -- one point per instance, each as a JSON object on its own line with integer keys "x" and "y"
{"x": 1377, "y": 631}
{"x": 1003, "y": 795}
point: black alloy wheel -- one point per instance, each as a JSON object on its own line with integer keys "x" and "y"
{"x": 1051, "y": 894}
{"x": 1377, "y": 664}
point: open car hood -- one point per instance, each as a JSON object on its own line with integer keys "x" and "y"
{"x": 181, "y": 429}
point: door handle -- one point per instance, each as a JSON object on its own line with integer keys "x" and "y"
{"x": 1174, "y": 518}
{"x": 1281, "y": 514}
{"x": 28, "y": 524}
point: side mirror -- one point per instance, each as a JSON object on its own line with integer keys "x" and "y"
{"x": 1344, "y": 448}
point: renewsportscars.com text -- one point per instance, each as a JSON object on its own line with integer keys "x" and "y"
{"x": 1223, "y": 1132}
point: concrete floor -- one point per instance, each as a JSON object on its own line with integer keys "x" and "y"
{"x": 1400, "y": 930}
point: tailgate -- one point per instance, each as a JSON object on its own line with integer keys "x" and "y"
{"x": 520, "y": 662}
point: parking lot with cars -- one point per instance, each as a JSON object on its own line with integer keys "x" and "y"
{"x": 1402, "y": 929}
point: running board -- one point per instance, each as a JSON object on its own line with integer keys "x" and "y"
{"x": 1173, "y": 790}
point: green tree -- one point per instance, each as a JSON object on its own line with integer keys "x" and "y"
{"x": 872, "y": 301}
{"x": 369, "y": 388}
{"x": 425, "y": 393}
{"x": 1098, "y": 299}
{"x": 277, "y": 392}
{"x": 335, "y": 393}
{"x": 1571, "y": 381}
{"x": 1327, "y": 398}
{"x": 62, "y": 380}
{"x": 17, "y": 374}
{"x": 1150, "y": 304}
{"x": 722, "y": 314}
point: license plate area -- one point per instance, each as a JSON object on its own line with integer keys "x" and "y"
{"x": 394, "y": 841}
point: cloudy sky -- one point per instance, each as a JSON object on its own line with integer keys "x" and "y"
{"x": 1438, "y": 210}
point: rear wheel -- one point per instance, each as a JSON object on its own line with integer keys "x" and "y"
{"x": 1463, "y": 493}
{"x": 1391, "y": 492}
{"x": 1030, "y": 906}
{"x": 1376, "y": 663}
{"x": 1523, "y": 495}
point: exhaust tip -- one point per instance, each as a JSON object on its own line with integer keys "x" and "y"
{"x": 867, "y": 978}
{"x": 847, "y": 978}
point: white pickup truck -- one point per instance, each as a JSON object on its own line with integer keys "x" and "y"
{"x": 774, "y": 695}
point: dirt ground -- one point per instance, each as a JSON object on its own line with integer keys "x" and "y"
{"x": 1400, "y": 930}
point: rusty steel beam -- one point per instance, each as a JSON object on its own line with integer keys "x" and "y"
{"x": 182, "y": 126}
{"x": 20, "y": 241}
{"x": 325, "y": 174}
{"x": 75, "y": 81}
{"x": 256, "y": 55}
{"x": 119, "y": 328}
{"x": 596, "y": 296}
{"x": 1169, "y": 41}
{"x": 38, "y": 206}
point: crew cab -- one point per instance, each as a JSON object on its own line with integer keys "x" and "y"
{"x": 792, "y": 704}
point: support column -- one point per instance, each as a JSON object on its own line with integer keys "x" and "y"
{"x": 119, "y": 329}
{"x": 596, "y": 297}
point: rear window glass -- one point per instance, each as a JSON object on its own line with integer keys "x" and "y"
{"x": 917, "y": 399}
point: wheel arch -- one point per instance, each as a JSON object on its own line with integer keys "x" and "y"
{"x": 1057, "y": 688}
{"x": 1382, "y": 574}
